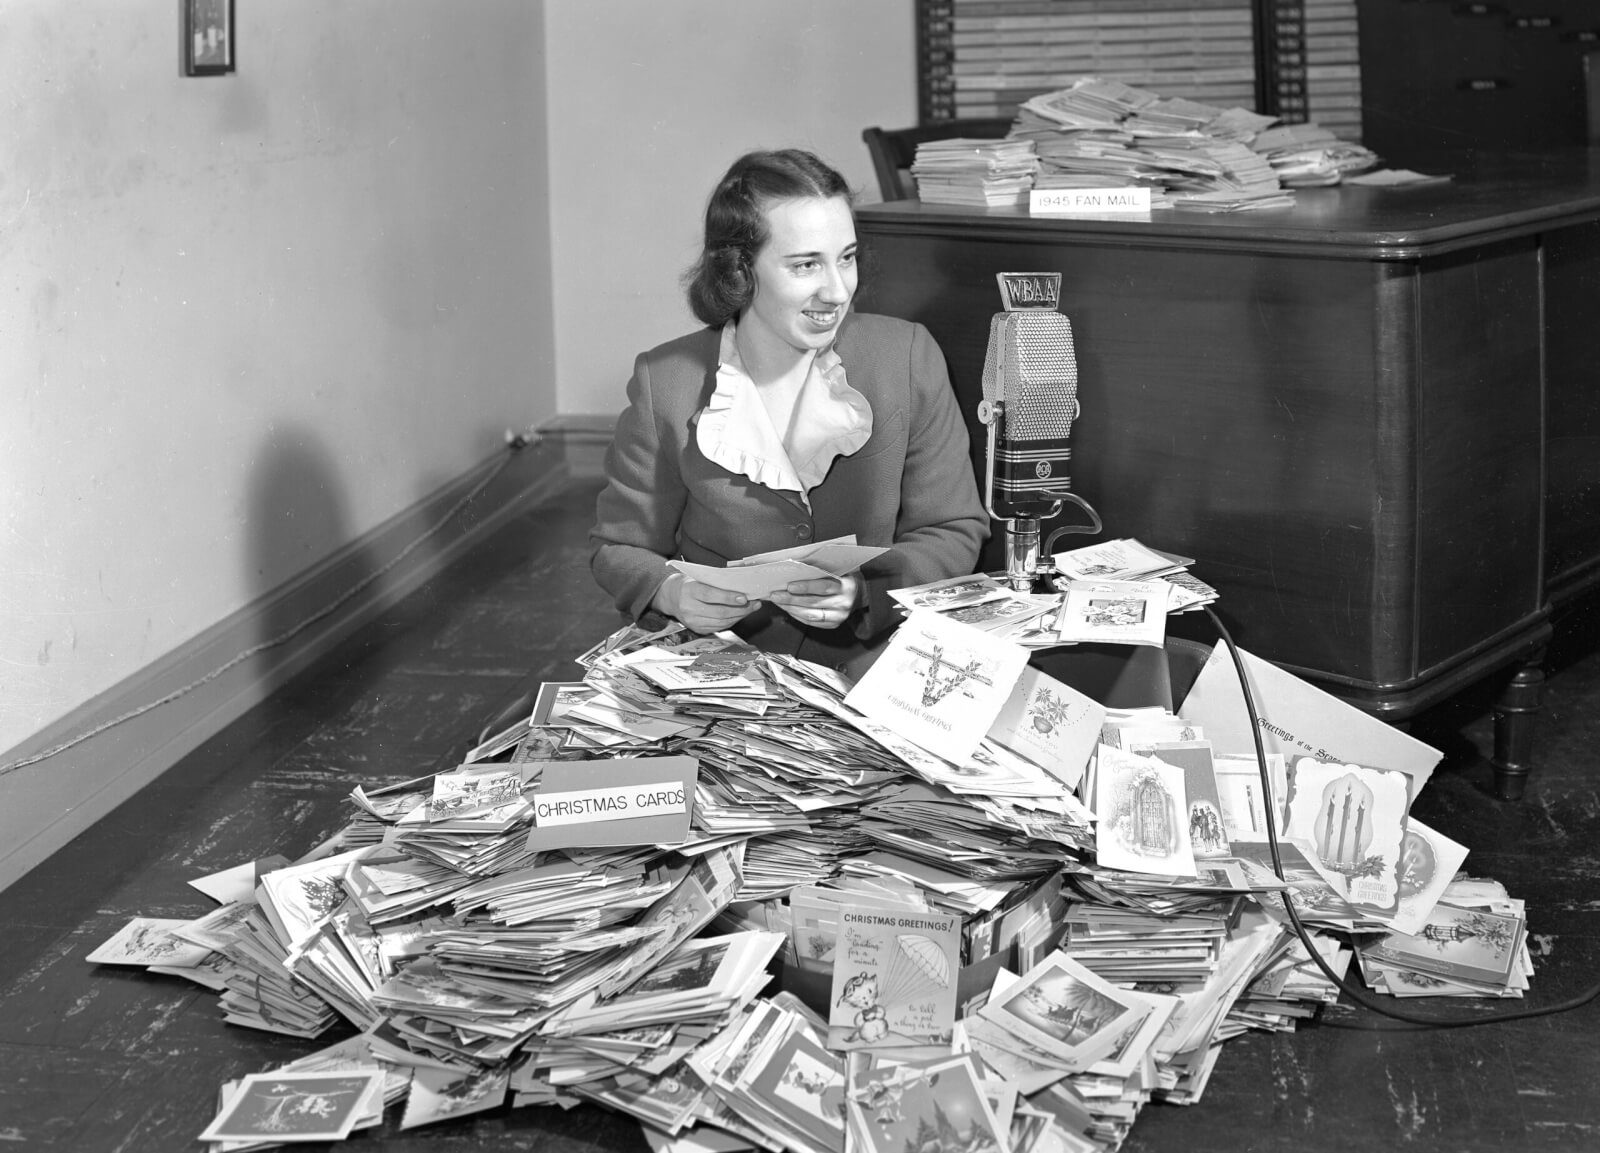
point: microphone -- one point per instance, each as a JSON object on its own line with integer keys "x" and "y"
{"x": 1030, "y": 399}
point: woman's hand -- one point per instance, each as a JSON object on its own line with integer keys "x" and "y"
{"x": 702, "y": 607}
{"x": 821, "y": 603}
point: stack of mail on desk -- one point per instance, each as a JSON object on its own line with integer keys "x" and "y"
{"x": 1308, "y": 155}
{"x": 987, "y": 173}
{"x": 1094, "y": 102}
{"x": 1193, "y": 155}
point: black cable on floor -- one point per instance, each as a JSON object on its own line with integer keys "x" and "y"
{"x": 1358, "y": 995}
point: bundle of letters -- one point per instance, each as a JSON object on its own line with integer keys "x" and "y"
{"x": 1118, "y": 591}
{"x": 1100, "y": 132}
{"x": 1473, "y": 943}
{"x": 1308, "y": 155}
{"x": 755, "y": 905}
{"x": 981, "y": 172}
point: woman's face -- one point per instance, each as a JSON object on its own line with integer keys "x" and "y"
{"x": 805, "y": 275}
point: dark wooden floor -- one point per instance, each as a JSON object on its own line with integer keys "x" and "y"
{"x": 98, "y": 1059}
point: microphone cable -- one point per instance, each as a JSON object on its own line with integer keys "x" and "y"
{"x": 1359, "y": 996}
{"x": 1093, "y": 528}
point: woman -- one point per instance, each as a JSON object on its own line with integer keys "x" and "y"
{"x": 786, "y": 420}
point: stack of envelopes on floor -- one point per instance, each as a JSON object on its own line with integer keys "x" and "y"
{"x": 1006, "y": 895}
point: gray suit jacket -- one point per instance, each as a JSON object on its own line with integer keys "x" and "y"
{"x": 910, "y": 487}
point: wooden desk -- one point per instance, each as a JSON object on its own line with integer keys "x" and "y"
{"x": 1370, "y": 417}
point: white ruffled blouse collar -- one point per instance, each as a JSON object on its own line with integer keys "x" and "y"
{"x": 831, "y": 420}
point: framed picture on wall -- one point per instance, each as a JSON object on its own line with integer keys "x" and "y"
{"x": 207, "y": 31}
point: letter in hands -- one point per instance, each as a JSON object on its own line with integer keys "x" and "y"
{"x": 820, "y": 602}
{"x": 701, "y": 607}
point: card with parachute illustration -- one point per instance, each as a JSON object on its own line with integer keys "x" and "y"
{"x": 894, "y": 978}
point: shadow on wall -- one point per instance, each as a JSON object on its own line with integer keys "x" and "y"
{"x": 298, "y": 523}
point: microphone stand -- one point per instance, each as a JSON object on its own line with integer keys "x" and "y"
{"x": 1022, "y": 532}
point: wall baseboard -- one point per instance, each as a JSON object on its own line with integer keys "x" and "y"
{"x": 47, "y": 804}
{"x": 585, "y": 438}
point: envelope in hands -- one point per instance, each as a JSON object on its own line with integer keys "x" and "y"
{"x": 758, "y": 576}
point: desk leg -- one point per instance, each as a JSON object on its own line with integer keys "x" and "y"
{"x": 1516, "y": 714}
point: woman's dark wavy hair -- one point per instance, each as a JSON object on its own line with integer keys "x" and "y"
{"x": 722, "y": 281}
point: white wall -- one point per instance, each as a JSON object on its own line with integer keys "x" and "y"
{"x": 245, "y": 319}
{"x": 649, "y": 104}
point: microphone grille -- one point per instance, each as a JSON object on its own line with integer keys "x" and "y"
{"x": 994, "y": 358}
{"x": 1031, "y": 365}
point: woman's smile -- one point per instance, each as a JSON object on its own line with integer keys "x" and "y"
{"x": 805, "y": 276}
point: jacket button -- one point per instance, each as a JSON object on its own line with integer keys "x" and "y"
{"x": 803, "y": 531}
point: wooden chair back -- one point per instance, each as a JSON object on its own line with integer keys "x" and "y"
{"x": 893, "y": 149}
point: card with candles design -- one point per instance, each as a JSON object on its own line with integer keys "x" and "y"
{"x": 1355, "y": 819}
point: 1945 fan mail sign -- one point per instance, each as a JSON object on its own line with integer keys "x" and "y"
{"x": 607, "y": 803}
